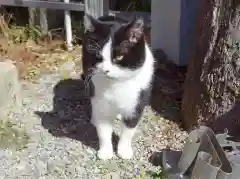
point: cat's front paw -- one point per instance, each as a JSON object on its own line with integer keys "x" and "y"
{"x": 92, "y": 122}
{"x": 105, "y": 154}
{"x": 125, "y": 151}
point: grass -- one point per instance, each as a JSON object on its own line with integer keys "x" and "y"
{"x": 12, "y": 136}
{"x": 161, "y": 174}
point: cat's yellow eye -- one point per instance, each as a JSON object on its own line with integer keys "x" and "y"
{"x": 118, "y": 58}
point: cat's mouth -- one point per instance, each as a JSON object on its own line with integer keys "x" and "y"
{"x": 108, "y": 76}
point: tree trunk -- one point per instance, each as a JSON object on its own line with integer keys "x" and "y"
{"x": 211, "y": 89}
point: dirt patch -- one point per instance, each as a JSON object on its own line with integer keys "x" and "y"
{"x": 33, "y": 59}
{"x": 33, "y": 51}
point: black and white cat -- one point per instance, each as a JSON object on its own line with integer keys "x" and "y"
{"x": 122, "y": 69}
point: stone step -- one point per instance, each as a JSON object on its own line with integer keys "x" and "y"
{"x": 10, "y": 89}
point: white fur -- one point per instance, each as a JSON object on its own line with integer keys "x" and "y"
{"x": 104, "y": 130}
{"x": 125, "y": 143}
{"x": 117, "y": 92}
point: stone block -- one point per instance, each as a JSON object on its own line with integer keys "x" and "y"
{"x": 10, "y": 89}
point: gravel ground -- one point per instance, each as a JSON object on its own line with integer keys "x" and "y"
{"x": 62, "y": 143}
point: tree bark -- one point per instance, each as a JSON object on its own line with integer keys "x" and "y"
{"x": 211, "y": 89}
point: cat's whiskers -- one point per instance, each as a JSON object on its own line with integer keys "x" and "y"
{"x": 87, "y": 79}
{"x": 95, "y": 43}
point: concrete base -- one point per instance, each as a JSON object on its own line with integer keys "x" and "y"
{"x": 10, "y": 90}
{"x": 173, "y": 27}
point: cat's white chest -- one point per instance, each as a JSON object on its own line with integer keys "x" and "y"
{"x": 124, "y": 95}
{"x": 120, "y": 96}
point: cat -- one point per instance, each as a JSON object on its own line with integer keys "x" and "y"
{"x": 120, "y": 65}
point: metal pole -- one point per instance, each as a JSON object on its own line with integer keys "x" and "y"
{"x": 68, "y": 27}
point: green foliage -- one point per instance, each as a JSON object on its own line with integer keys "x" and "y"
{"x": 12, "y": 136}
{"x": 19, "y": 34}
{"x": 143, "y": 5}
{"x": 160, "y": 174}
{"x": 139, "y": 5}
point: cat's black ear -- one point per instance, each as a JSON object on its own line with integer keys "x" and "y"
{"x": 89, "y": 23}
{"x": 136, "y": 30}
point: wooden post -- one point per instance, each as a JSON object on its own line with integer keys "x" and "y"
{"x": 32, "y": 16}
{"x": 97, "y": 8}
{"x": 43, "y": 20}
{"x": 38, "y": 17}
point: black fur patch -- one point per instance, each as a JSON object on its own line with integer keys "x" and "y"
{"x": 143, "y": 100}
{"x": 127, "y": 41}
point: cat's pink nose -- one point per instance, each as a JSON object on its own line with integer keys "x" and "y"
{"x": 106, "y": 71}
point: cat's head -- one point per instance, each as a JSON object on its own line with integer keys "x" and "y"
{"x": 118, "y": 45}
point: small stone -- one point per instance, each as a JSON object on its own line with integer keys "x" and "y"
{"x": 72, "y": 155}
{"x": 182, "y": 138}
{"x": 42, "y": 177}
{"x": 178, "y": 135}
{"x": 41, "y": 167}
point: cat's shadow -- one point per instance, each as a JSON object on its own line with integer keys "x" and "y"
{"x": 71, "y": 114}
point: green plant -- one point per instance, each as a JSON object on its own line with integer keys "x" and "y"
{"x": 160, "y": 174}
{"x": 139, "y": 5}
{"x": 18, "y": 34}
{"x": 12, "y": 136}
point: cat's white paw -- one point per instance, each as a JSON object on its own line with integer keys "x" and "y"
{"x": 92, "y": 122}
{"x": 105, "y": 154}
{"x": 125, "y": 151}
